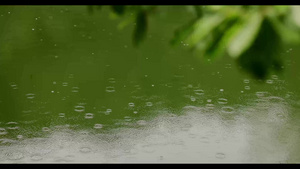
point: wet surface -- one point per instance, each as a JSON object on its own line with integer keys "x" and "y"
{"x": 75, "y": 94}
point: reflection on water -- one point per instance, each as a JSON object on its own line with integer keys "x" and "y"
{"x": 80, "y": 95}
{"x": 197, "y": 134}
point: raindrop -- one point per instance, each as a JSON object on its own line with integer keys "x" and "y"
{"x": 30, "y": 96}
{"x": 275, "y": 77}
{"x": 75, "y": 89}
{"x": 65, "y": 84}
{"x": 12, "y": 125}
{"x": 193, "y": 98}
{"x": 89, "y": 115}
{"x": 222, "y": 101}
{"x": 269, "y": 81}
{"x": 13, "y": 85}
{"x": 260, "y": 94}
{"x": 61, "y": 115}
{"x": 221, "y": 90}
{"x": 19, "y": 136}
{"x": 3, "y": 131}
{"x": 210, "y": 106}
{"x": 208, "y": 101}
{"x": 111, "y": 80}
{"x": 199, "y": 92}
{"x": 79, "y": 108}
{"x": 247, "y": 87}
{"x": 110, "y": 89}
{"x": 246, "y": 81}
{"x": 227, "y": 109}
{"x": 45, "y": 129}
{"x": 127, "y": 118}
{"x": 131, "y": 104}
{"x": 108, "y": 111}
{"x": 98, "y": 126}
{"x": 149, "y": 104}
{"x": 135, "y": 112}
{"x": 220, "y": 155}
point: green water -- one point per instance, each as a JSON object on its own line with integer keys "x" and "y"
{"x": 74, "y": 89}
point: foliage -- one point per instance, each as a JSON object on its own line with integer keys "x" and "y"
{"x": 252, "y": 35}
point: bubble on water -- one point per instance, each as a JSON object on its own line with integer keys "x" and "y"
{"x": 12, "y": 125}
{"x": 242, "y": 91}
{"x": 108, "y": 111}
{"x": 30, "y": 95}
{"x": 75, "y": 89}
{"x": 135, "y": 112}
{"x": 199, "y": 92}
{"x": 222, "y": 101}
{"x": 98, "y": 126}
{"x": 208, "y": 100}
{"x": 111, "y": 80}
{"x": 193, "y": 98}
{"x": 210, "y": 106}
{"x": 45, "y": 129}
{"x": 269, "y": 81}
{"x": 246, "y": 81}
{"x": 227, "y": 109}
{"x": 14, "y": 155}
{"x": 65, "y": 84}
{"x": 110, "y": 89}
{"x": 61, "y": 115}
{"x": 247, "y": 87}
{"x": 261, "y": 94}
{"x": 89, "y": 115}
{"x": 275, "y": 99}
{"x": 3, "y": 131}
{"x": 19, "y": 136}
{"x": 221, "y": 90}
{"x": 85, "y": 149}
{"x": 79, "y": 108}
{"x": 131, "y": 104}
{"x": 127, "y": 118}
{"x": 220, "y": 155}
{"x": 13, "y": 85}
{"x": 275, "y": 77}
{"x": 149, "y": 104}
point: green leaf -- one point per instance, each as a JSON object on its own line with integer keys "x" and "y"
{"x": 221, "y": 36}
{"x": 118, "y": 9}
{"x": 263, "y": 55}
{"x": 140, "y": 30}
{"x": 182, "y": 33}
{"x": 125, "y": 22}
{"x": 198, "y": 10}
{"x": 202, "y": 27}
{"x": 244, "y": 39}
{"x": 287, "y": 34}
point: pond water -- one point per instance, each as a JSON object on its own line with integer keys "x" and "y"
{"x": 75, "y": 90}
